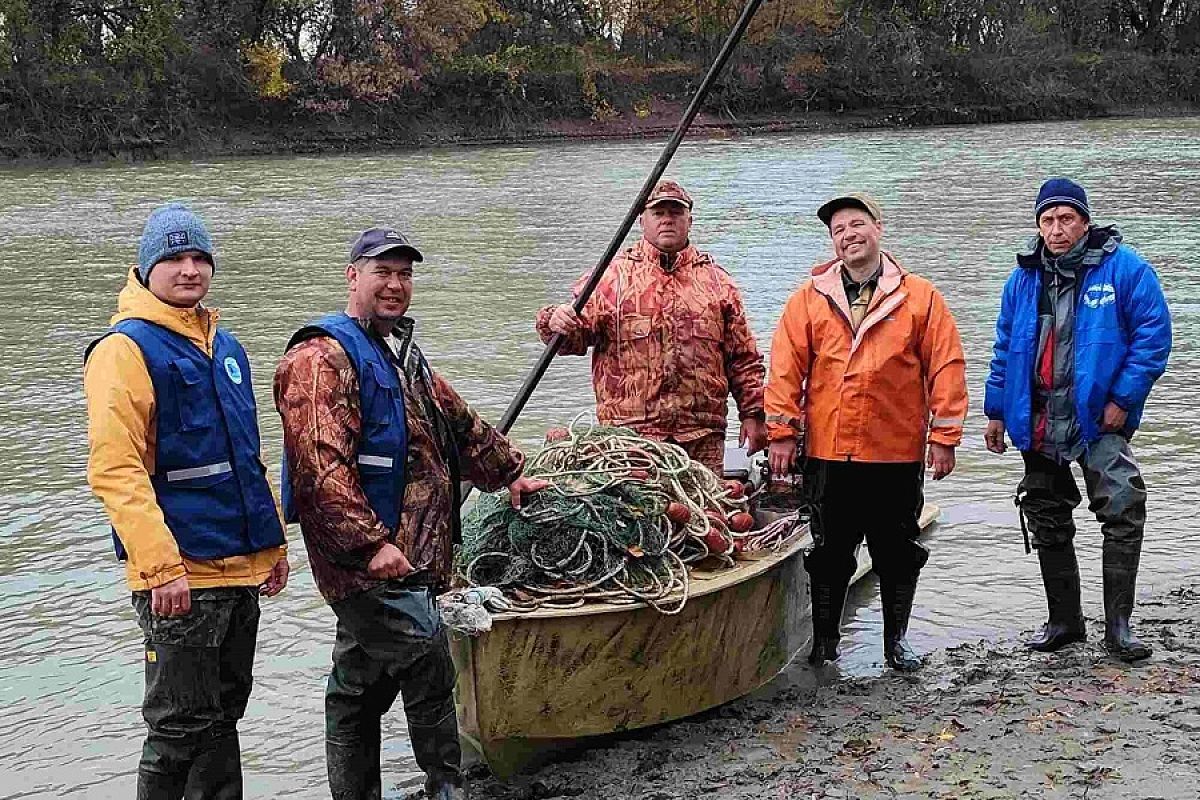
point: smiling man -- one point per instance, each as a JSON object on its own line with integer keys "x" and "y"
{"x": 1083, "y": 334}
{"x": 867, "y": 371}
{"x": 669, "y": 338}
{"x": 376, "y": 444}
{"x": 174, "y": 456}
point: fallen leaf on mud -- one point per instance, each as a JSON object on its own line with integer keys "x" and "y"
{"x": 859, "y": 747}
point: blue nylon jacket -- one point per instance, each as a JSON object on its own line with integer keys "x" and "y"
{"x": 1122, "y": 341}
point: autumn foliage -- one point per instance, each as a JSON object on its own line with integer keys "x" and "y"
{"x": 100, "y": 77}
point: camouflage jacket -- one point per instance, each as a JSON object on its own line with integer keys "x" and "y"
{"x": 316, "y": 392}
{"x": 669, "y": 344}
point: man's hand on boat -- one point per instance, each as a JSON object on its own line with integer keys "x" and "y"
{"x": 940, "y": 459}
{"x": 523, "y": 486}
{"x": 564, "y": 320}
{"x": 754, "y": 434}
{"x": 389, "y": 562}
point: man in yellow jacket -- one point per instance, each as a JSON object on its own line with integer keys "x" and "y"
{"x": 174, "y": 455}
{"x": 867, "y": 369}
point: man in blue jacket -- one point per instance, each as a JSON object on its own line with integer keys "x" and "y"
{"x": 1083, "y": 334}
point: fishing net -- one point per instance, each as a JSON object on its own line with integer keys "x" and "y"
{"x": 621, "y": 520}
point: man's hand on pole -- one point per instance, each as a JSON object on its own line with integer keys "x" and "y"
{"x": 564, "y": 321}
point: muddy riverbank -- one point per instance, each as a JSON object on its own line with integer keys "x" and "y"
{"x": 982, "y": 720}
{"x": 358, "y": 135}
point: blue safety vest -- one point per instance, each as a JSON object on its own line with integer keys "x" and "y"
{"x": 208, "y": 478}
{"x": 383, "y": 446}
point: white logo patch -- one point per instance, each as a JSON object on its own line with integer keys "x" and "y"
{"x": 233, "y": 370}
{"x": 1099, "y": 294}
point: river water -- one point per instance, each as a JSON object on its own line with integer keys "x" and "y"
{"x": 506, "y": 230}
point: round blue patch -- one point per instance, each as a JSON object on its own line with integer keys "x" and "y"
{"x": 233, "y": 370}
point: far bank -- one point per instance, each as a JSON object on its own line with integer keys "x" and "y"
{"x": 356, "y": 134}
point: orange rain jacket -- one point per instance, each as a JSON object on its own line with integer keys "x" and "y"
{"x": 876, "y": 396}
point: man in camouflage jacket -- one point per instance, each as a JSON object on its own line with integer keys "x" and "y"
{"x": 669, "y": 339}
{"x": 375, "y": 441}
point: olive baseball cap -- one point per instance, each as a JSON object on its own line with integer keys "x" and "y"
{"x": 860, "y": 200}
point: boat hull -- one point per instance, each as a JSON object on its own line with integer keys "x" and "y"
{"x": 536, "y": 681}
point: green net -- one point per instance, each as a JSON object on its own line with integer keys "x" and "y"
{"x": 609, "y": 527}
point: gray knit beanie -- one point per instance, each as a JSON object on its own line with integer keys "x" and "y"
{"x": 171, "y": 229}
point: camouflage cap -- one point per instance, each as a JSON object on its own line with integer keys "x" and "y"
{"x": 668, "y": 192}
{"x": 860, "y": 200}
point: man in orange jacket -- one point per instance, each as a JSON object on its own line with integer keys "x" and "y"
{"x": 867, "y": 370}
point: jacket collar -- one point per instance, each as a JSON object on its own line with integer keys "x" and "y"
{"x": 198, "y": 325}
{"x": 1102, "y": 242}
{"x": 827, "y": 279}
{"x": 648, "y": 253}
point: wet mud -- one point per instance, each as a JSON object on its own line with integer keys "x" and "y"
{"x": 982, "y": 720}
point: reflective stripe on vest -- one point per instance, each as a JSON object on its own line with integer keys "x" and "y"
{"x": 199, "y": 472}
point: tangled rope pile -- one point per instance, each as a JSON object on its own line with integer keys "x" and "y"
{"x": 621, "y": 520}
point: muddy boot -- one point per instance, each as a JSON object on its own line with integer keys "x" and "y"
{"x": 353, "y": 771}
{"x": 444, "y": 791}
{"x": 827, "y": 604}
{"x": 1060, "y": 576}
{"x": 1120, "y": 578}
{"x": 438, "y": 753}
{"x": 897, "y": 598}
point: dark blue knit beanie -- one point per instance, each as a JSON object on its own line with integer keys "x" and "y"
{"x": 172, "y": 229}
{"x": 1061, "y": 192}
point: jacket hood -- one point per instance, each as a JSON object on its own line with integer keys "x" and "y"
{"x": 198, "y": 324}
{"x": 1101, "y": 242}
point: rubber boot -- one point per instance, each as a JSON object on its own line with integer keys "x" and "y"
{"x": 1060, "y": 576}
{"x": 1120, "y": 579}
{"x": 445, "y": 791}
{"x": 216, "y": 773}
{"x": 353, "y": 771}
{"x": 828, "y": 601}
{"x": 438, "y": 753}
{"x": 897, "y": 598}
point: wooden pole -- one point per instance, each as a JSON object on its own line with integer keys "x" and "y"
{"x": 539, "y": 369}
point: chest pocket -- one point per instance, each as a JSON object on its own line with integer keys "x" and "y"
{"x": 707, "y": 329}
{"x": 382, "y": 392}
{"x": 635, "y": 330}
{"x": 197, "y": 411}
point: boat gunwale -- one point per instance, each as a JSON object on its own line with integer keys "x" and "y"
{"x": 744, "y": 569}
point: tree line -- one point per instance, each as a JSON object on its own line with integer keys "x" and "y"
{"x": 90, "y": 78}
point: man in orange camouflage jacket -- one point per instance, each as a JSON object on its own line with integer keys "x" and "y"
{"x": 867, "y": 371}
{"x": 669, "y": 339}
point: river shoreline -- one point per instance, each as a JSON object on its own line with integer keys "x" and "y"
{"x": 982, "y": 720}
{"x": 349, "y": 137}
